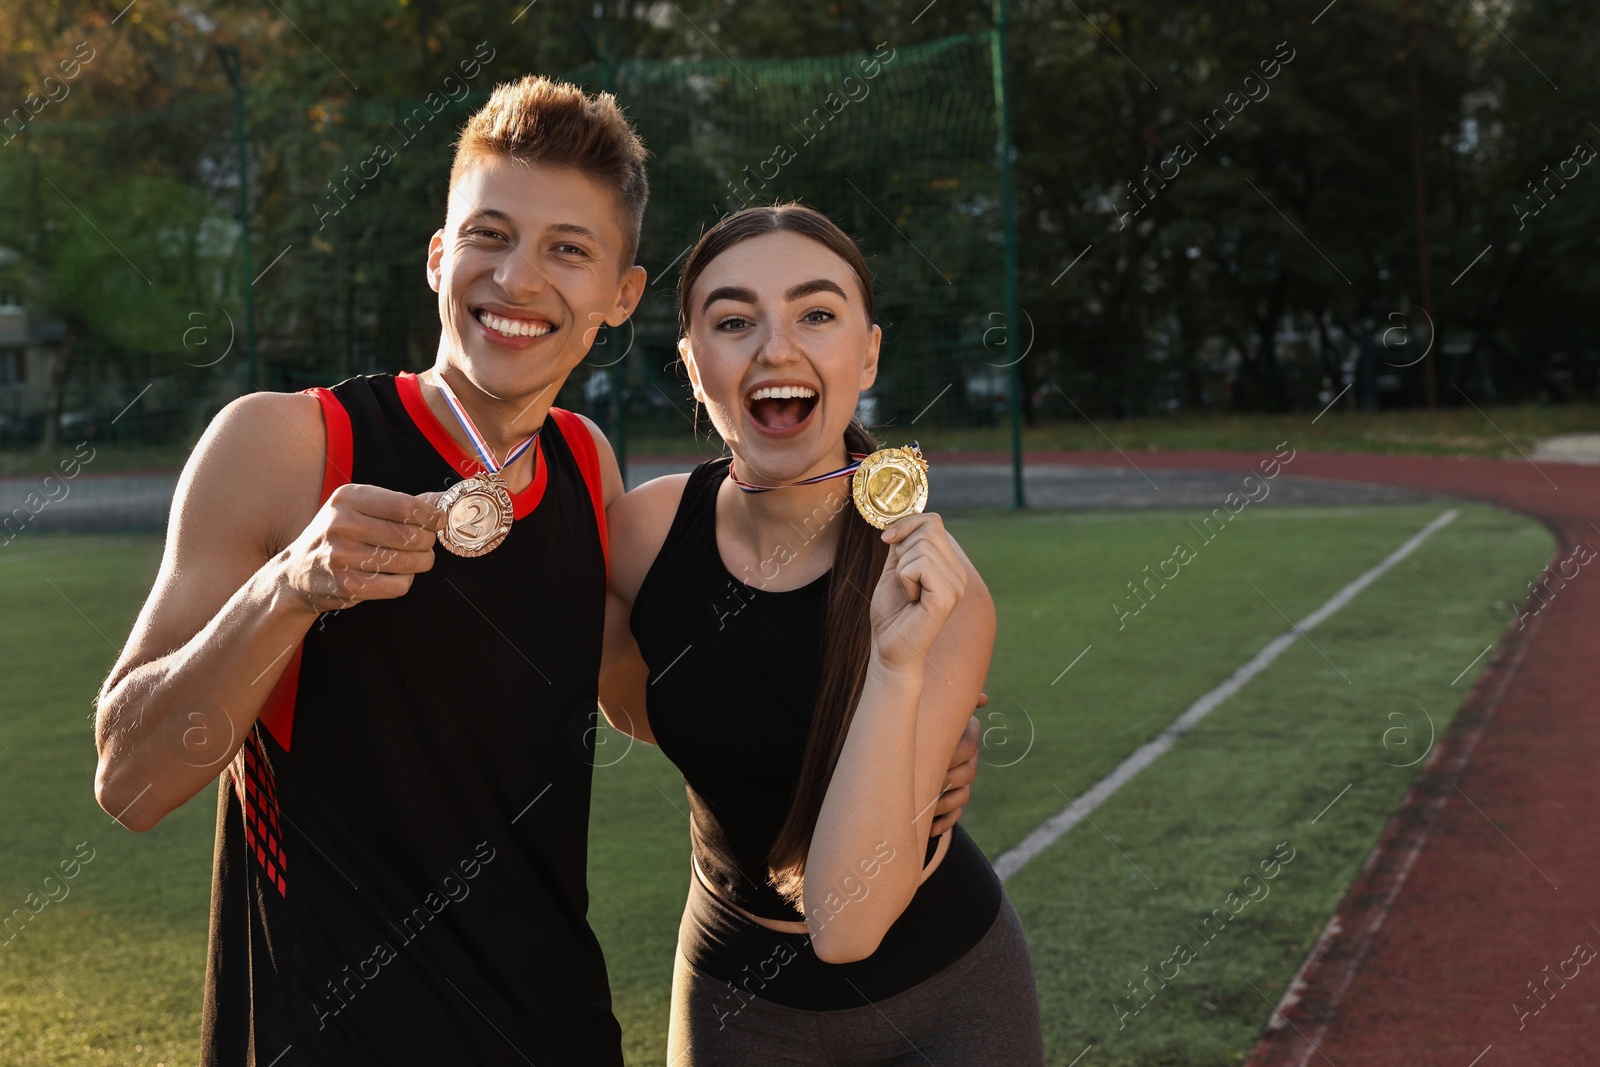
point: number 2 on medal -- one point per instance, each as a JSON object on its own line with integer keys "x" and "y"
{"x": 478, "y": 511}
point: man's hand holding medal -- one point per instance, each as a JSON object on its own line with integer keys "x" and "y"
{"x": 366, "y": 543}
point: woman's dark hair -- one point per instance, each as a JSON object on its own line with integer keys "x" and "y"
{"x": 857, "y": 562}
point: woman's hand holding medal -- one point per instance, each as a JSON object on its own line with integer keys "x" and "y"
{"x": 923, "y": 580}
{"x": 924, "y": 577}
{"x": 366, "y": 543}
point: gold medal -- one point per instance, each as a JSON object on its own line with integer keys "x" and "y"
{"x": 891, "y": 484}
{"x": 477, "y": 515}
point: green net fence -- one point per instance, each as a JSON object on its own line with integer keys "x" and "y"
{"x": 123, "y": 241}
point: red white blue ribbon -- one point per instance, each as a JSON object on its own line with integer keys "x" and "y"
{"x": 479, "y": 443}
{"x": 843, "y": 472}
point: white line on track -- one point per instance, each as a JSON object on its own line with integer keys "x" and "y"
{"x": 1046, "y": 834}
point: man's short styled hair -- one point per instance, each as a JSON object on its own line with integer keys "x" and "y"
{"x": 541, "y": 120}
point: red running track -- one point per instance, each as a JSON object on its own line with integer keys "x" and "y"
{"x": 1487, "y": 879}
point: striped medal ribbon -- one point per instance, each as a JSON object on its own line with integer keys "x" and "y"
{"x": 480, "y": 444}
{"x": 477, "y": 509}
{"x": 843, "y": 472}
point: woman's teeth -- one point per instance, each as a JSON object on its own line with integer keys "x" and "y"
{"x": 781, "y": 406}
{"x": 514, "y": 327}
{"x": 783, "y": 392}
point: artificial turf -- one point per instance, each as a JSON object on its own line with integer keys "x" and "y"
{"x": 113, "y": 971}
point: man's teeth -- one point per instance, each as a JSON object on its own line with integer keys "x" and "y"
{"x": 783, "y": 392}
{"x": 514, "y": 327}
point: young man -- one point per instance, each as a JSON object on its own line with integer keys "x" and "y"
{"x": 406, "y": 735}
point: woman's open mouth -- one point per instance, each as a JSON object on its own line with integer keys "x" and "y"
{"x": 781, "y": 408}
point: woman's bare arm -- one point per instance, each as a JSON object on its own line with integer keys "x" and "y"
{"x": 865, "y": 859}
{"x": 638, "y": 522}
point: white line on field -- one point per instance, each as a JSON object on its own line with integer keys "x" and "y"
{"x": 1047, "y": 832}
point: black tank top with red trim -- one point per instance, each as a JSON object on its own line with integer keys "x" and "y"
{"x": 402, "y": 840}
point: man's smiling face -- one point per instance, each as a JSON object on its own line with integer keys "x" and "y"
{"x": 529, "y": 264}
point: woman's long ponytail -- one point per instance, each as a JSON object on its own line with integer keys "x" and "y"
{"x": 847, "y": 644}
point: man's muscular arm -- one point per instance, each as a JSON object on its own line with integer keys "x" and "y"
{"x": 250, "y": 562}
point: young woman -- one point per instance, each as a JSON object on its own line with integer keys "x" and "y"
{"x": 810, "y": 677}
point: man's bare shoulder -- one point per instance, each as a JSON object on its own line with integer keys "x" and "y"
{"x": 257, "y": 469}
{"x": 251, "y": 485}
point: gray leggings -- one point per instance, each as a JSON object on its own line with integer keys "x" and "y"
{"x": 981, "y": 1011}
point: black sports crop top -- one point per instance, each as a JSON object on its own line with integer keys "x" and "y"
{"x": 733, "y": 677}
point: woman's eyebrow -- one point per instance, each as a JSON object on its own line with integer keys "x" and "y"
{"x": 729, "y": 292}
{"x": 795, "y": 292}
{"x": 816, "y": 285}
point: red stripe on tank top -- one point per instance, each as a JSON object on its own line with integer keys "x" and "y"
{"x": 277, "y": 714}
{"x": 410, "y": 390}
{"x": 576, "y": 433}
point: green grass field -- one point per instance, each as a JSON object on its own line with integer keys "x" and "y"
{"x": 113, "y": 972}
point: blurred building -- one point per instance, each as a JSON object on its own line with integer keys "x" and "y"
{"x": 30, "y": 355}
